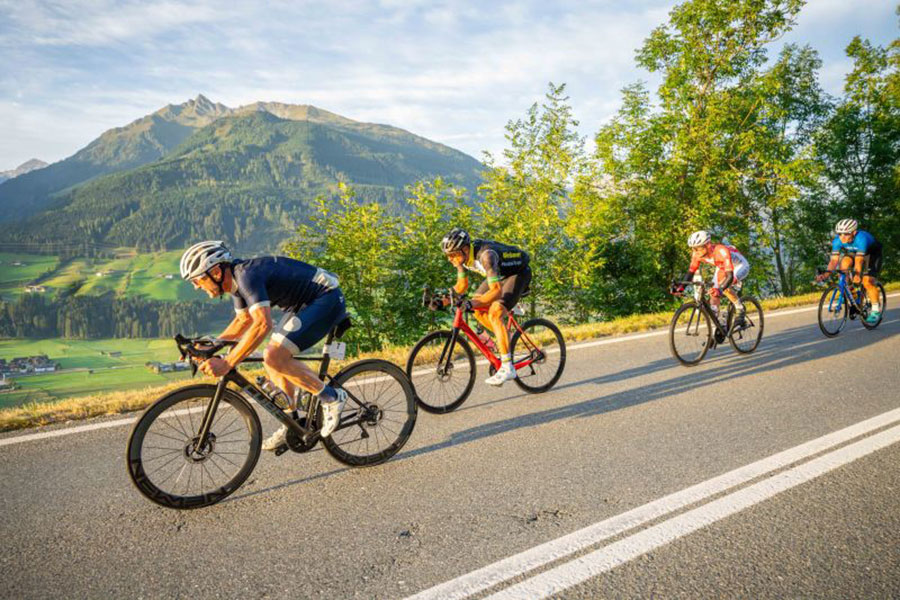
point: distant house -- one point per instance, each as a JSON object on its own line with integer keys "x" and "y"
{"x": 18, "y": 264}
{"x": 35, "y": 289}
{"x": 25, "y": 365}
{"x": 170, "y": 276}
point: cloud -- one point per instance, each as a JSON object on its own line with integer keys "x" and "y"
{"x": 454, "y": 71}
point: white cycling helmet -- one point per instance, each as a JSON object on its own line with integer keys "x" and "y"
{"x": 201, "y": 257}
{"x": 699, "y": 238}
{"x": 846, "y": 226}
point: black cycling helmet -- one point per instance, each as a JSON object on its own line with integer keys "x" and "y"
{"x": 455, "y": 241}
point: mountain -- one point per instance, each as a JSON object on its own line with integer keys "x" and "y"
{"x": 138, "y": 143}
{"x": 247, "y": 176}
{"x": 26, "y": 167}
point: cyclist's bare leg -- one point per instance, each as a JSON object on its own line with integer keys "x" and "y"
{"x": 846, "y": 263}
{"x": 497, "y": 317}
{"x": 282, "y": 367}
{"x": 871, "y": 290}
{"x": 482, "y": 317}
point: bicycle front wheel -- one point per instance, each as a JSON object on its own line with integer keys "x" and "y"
{"x": 690, "y": 334}
{"x": 882, "y": 299}
{"x": 164, "y": 463}
{"x": 442, "y": 377}
{"x": 746, "y": 337}
{"x": 378, "y": 417}
{"x": 832, "y": 311}
{"x": 541, "y": 341}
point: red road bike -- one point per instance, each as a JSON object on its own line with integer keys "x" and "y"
{"x": 442, "y": 364}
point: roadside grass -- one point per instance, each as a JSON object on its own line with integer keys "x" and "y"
{"x": 39, "y": 413}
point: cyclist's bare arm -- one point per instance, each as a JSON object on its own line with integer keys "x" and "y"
{"x": 259, "y": 327}
{"x": 462, "y": 281}
{"x": 239, "y": 324}
{"x": 491, "y": 263}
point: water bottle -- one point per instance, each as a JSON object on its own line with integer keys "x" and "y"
{"x": 274, "y": 392}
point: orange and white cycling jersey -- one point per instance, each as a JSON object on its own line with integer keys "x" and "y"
{"x": 723, "y": 257}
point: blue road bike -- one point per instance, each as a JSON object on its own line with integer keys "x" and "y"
{"x": 845, "y": 300}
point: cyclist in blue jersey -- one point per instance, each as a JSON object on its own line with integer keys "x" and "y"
{"x": 862, "y": 252}
{"x": 312, "y": 303}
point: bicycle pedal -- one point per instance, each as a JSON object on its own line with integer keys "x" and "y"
{"x": 281, "y": 449}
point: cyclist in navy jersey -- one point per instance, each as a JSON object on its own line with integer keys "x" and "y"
{"x": 312, "y": 303}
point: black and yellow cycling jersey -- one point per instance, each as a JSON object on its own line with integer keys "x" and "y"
{"x": 494, "y": 260}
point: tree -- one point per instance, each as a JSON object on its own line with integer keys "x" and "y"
{"x": 526, "y": 198}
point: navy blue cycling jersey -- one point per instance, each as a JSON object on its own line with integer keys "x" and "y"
{"x": 278, "y": 281}
{"x": 862, "y": 242}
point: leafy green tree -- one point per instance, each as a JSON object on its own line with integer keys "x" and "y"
{"x": 433, "y": 208}
{"x": 526, "y": 197}
{"x": 353, "y": 240}
{"x": 859, "y": 150}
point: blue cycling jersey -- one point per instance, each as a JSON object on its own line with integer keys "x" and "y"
{"x": 862, "y": 242}
{"x": 278, "y": 281}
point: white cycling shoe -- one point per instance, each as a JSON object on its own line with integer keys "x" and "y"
{"x": 503, "y": 375}
{"x": 331, "y": 413}
{"x": 276, "y": 440}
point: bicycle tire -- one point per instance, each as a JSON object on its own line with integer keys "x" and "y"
{"x": 759, "y": 324}
{"x": 673, "y": 327}
{"x": 426, "y": 376}
{"x": 883, "y": 298}
{"x": 385, "y": 377}
{"x": 523, "y": 376}
{"x": 830, "y": 295}
{"x": 152, "y": 487}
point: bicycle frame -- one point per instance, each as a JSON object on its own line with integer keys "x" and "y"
{"x": 845, "y": 294}
{"x": 461, "y": 325}
{"x": 248, "y": 389}
{"x": 704, "y": 306}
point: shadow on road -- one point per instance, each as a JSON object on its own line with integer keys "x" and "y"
{"x": 783, "y": 349}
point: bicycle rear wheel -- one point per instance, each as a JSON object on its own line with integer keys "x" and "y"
{"x": 442, "y": 378}
{"x": 378, "y": 417}
{"x": 882, "y": 298}
{"x": 162, "y": 461}
{"x": 690, "y": 334}
{"x": 832, "y": 311}
{"x": 746, "y": 338}
{"x": 541, "y": 340}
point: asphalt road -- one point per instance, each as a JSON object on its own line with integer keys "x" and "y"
{"x": 480, "y": 500}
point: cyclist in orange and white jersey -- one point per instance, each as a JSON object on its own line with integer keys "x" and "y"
{"x": 731, "y": 270}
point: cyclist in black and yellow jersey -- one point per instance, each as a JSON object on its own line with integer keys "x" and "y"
{"x": 507, "y": 277}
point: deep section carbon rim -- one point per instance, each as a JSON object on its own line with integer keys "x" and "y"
{"x": 165, "y": 463}
{"x": 378, "y": 417}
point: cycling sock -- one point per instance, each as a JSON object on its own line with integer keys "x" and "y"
{"x": 506, "y": 361}
{"x": 876, "y": 308}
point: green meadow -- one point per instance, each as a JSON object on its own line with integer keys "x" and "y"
{"x": 87, "y": 370}
{"x": 152, "y": 275}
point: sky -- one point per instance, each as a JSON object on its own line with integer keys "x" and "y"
{"x": 455, "y": 72}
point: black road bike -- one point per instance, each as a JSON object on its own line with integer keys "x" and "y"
{"x": 198, "y": 444}
{"x": 695, "y": 328}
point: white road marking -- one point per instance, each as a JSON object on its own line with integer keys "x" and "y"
{"x": 31, "y": 437}
{"x": 513, "y": 566}
{"x": 600, "y": 561}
